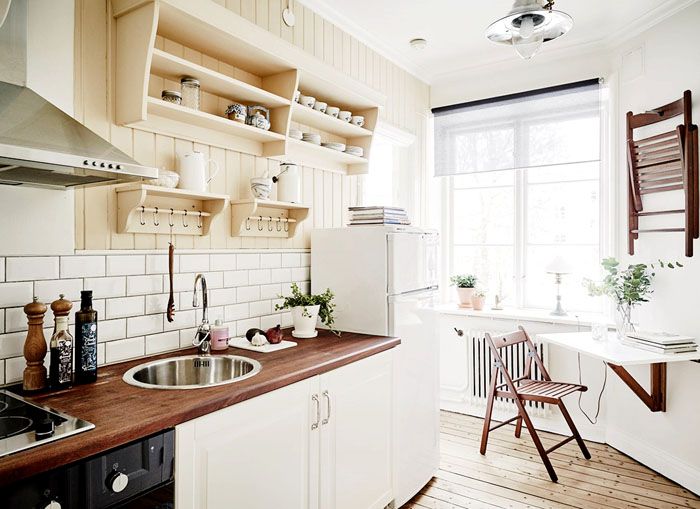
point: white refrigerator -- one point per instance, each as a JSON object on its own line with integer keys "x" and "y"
{"x": 385, "y": 281}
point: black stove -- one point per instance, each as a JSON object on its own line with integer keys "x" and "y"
{"x": 24, "y": 424}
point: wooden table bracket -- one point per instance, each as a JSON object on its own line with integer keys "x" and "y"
{"x": 655, "y": 399}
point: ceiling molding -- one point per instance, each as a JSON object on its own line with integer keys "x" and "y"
{"x": 322, "y": 8}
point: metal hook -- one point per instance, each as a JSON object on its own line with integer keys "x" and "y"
{"x": 260, "y": 228}
{"x": 155, "y": 217}
{"x": 170, "y": 219}
{"x": 184, "y": 216}
{"x": 143, "y": 209}
{"x": 286, "y": 226}
{"x": 247, "y": 223}
{"x": 279, "y": 225}
{"x": 269, "y": 224}
{"x": 199, "y": 220}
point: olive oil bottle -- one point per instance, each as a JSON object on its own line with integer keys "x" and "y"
{"x": 85, "y": 340}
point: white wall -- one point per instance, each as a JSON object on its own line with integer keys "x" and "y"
{"x": 47, "y": 225}
{"x": 647, "y": 71}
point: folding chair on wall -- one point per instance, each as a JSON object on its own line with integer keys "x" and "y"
{"x": 525, "y": 388}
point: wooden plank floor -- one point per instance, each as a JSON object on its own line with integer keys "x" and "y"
{"x": 511, "y": 474}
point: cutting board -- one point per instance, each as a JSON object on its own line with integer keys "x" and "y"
{"x": 266, "y": 348}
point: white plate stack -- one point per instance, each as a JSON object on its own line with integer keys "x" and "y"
{"x": 311, "y": 138}
{"x": 340, "y": 147}
{"x": 295, "y": 134}
{"x": 354, "y": 151}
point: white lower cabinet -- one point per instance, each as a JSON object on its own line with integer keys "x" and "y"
{"x": 322, "y": 443}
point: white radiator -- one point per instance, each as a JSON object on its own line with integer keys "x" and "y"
{"x": 480, "y": 369}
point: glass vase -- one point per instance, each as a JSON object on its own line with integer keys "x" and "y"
{"x": 623, "y": 320}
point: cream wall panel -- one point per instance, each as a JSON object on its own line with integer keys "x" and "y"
{"x": 326, "y": 193}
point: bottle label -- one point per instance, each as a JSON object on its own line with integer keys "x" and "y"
{"x": 88, "y": 357}
{"x": 65, "y": 362}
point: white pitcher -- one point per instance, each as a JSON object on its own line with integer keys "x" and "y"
{"x": 193, "y": 173}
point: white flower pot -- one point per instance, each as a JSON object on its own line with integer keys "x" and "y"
{"x": 305, "y": 322}
{"x": 465, "y": 297}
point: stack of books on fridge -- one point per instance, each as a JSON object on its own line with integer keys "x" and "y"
{"x": 377, "y": 215}
{"x": 661, "y": 342}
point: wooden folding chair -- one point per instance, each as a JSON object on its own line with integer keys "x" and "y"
{"x": 524, "y": 389}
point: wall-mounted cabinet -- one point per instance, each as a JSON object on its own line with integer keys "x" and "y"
{"x": 244, "y": 64}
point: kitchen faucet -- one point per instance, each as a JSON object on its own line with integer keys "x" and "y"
{"x": 202, "y": 339}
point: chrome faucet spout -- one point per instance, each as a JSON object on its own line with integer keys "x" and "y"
{"x": 202, "y": 338}
{"x": 205, "y": 305}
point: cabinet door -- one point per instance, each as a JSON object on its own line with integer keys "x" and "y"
{"x": 357, "y": 435}
{"x": 257, "y": 454}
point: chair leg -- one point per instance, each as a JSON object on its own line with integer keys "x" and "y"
{"x": 537, "y": 441}
{"x": 574, "y": 430}
{"x": 518, "y": 427}
{"x": 489, "y": 411}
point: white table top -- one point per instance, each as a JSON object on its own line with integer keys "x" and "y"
{"x": 611, "y": 350}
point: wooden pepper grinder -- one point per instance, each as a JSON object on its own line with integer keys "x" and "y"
{"x": 61, "y": 307}
{"x": 35, "y": 347}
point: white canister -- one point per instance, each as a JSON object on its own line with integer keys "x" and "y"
{"x": 288, "y": 183}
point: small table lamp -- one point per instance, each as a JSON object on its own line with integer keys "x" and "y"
{"x": 558, "y": 266}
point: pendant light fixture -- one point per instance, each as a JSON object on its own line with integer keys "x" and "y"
{"x": 528, "y": 25}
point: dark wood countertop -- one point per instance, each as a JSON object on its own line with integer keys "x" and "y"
{"x": 122, "y": 413}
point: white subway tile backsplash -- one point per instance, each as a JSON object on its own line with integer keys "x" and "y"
{"x": 259, "y": 277}
{"x": 247, "y": 293}
{"x": 2, "y": 321}
{"x": 2, "y": 372}
{"x": 125, "y": 265}
{"x": 2, "y": 269}
{"x": 159, "y": 303}
{"x": 194, "y": 263}
{"x": 301, "y": 274}
{"x": 270, "y": 260}
{"x": 82, "y": 266}
{"x": 248, "y": 261}
{"x": 116, "y": 351}
{"x": 222, "y": 296}
{"x": 235, "y": 278}
{"x": 142, "y": 325}
{"x": 142, "y": 285}
{"x": 306, "y": 259}
{"x": 181, "y": 282}
{"x": 125, "y": 306}
{"x": 162, "y": 342}
{"x": 269, "y": 321}
{"x": 104, "y": 287}
{"x": 48, "y": 291}
{"x": 213, "y": 314}
{"x": 291, "y": 260}
{"x": 223, "y": 262}
{"x": 236, "y": 312}
{"x": 16, "y": 294}
{"x": 12, "y": 344}
{"x": 272, "y": 291}
{"x": 31, "y": 268}
{"x": 186, "y": 337}
{"x": 280, "y": 275}
{"x": 109, "y": 330}
{"x": 14, "y": 368}
{"x": 16, "y": 320}
{"x": 182, "y": 319}
{"x": 243, "y": 326}
{"x": 158, "y": 264}
{"x": 259, "y": 308}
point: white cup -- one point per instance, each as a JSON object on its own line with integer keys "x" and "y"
{"x": 297, "y": 95}
{"x": 358, "y": 120}
{"x": 345, "y": 116}
{"x": 320, "y": 106}
{"x": 307, "y": 100}
{"x": 332, "y": 111}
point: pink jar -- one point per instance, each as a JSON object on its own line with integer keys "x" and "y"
{"x": 219, "y": 336}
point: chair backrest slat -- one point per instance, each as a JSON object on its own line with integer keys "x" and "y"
{"x": 504, "y": 340}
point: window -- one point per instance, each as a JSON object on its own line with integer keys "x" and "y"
{"x": 523, "y": 185}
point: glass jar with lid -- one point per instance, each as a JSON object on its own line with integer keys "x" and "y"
{"x": 190, "y": 92}
{"x": 171, "y": 96}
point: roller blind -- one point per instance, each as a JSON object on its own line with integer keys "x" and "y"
{"x": 558, "y": 126}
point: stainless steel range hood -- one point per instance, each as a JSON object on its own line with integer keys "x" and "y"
{"x": 42, "y": 146}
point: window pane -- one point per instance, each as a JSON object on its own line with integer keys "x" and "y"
{"x": 562, "y": 140}
{"x": 540, "y": 290}
{"x": 493, "y": 265}
{"x": 484, "y": 179}
{"x": 564, "y": 173}
{"x": 483, "y": 150}
{"x": 563, "y": 213}
{"x": 484, "y": 216}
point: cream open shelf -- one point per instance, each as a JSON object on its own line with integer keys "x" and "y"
{"x": 271, "y": 70}
{"x": 266, "y": 218}
{"x": 316, "y": 156}
{"x": 309, "y": 116}
{"x": 145, "y": 208}
{"x": 173, "y": 67}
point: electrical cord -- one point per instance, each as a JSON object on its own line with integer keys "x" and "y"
{"x": 594, "y": 420}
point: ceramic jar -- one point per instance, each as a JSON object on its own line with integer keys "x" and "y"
{"x": 237, "y": 112}
{"x": 288, "y": 183}
{"x": 258, "y": 116}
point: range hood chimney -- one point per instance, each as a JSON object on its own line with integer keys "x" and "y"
{"x": 42, "y": 146}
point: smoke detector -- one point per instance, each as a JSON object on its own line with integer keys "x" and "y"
{"x": 418, "y": 43}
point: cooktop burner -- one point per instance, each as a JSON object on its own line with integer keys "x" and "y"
{"x": 24, "y": 424}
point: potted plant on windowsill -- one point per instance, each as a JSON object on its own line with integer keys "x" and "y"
{"x": 307, "y": 309}
{"x": 478, "y": 299}
{"x": 465, "y": 284}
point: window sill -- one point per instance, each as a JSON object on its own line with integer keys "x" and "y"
{"x": 529, "y": 315}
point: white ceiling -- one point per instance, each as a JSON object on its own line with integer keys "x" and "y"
{"x": 455, "y": 28}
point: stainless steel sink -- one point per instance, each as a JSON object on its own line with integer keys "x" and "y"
{"x": 192, "y": 372}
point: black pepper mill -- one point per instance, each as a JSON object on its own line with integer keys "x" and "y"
{"x": 85, "y": 340}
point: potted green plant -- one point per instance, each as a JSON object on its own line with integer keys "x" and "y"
{"x": 307, "y": 309}
{"x": 478, "y": 299}
{"x": 465, "y": 284}
{"x": 626, "y": 287}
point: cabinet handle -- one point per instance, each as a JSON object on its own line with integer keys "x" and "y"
{"x": 459, "y": 332}
{"x": 318, "y": 411}
{"x": 328, "y": 415}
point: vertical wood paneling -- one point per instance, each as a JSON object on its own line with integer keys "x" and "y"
{"x": 327, "y": 194}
